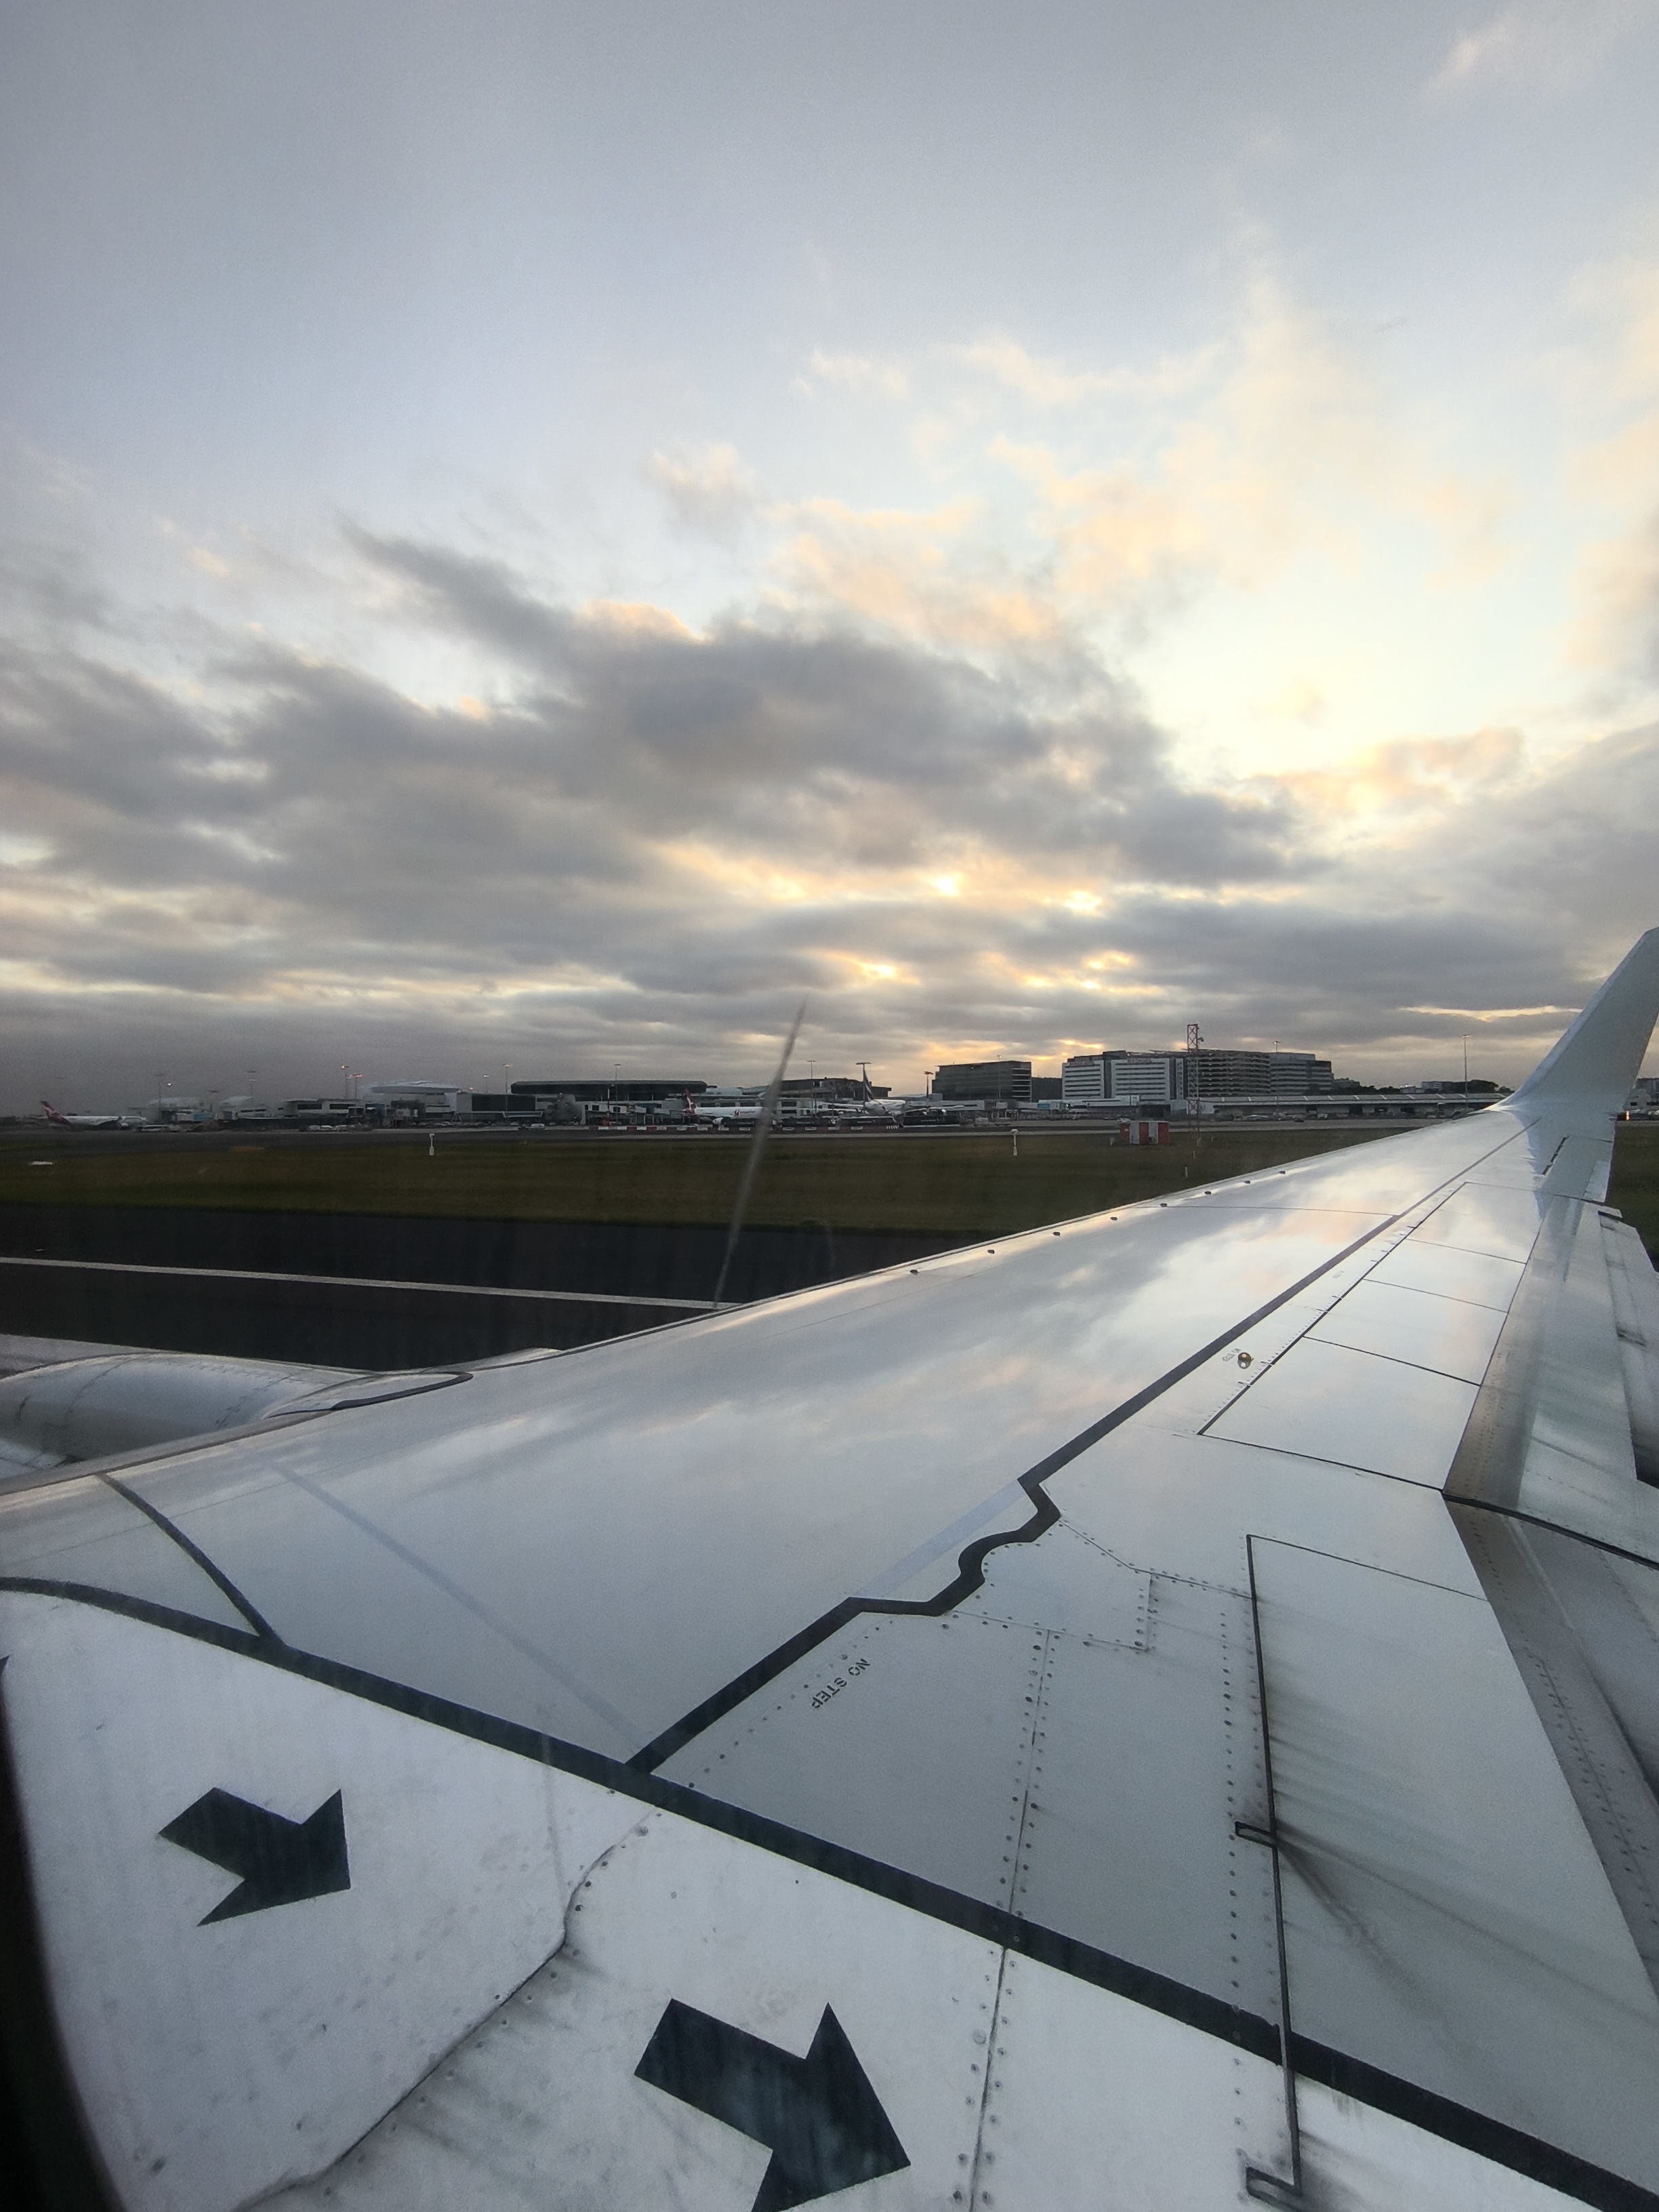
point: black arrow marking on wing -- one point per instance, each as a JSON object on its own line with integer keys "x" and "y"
{"x": 818, "y": 2116}
{"x": 281, "y": 1862}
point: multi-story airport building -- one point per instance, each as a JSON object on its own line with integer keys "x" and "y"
{"x": 1115, "y": 1074}
{"x": 1000, "y": 1082}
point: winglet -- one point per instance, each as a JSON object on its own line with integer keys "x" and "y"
{"x": 1596, "y": 1061}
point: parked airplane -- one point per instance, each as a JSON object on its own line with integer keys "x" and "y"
{"x": 1160, "y": 1711}
{"x": 91, "y": 1120}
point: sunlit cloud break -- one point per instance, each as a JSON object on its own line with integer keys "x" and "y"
{"x": 656, "y": 838}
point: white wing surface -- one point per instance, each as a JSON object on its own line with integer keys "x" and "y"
{"x": 1156, "y": 1712}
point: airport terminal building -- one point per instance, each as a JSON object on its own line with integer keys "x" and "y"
{"x": 996, "y": 1082}
{"x": 1099, "y": 1078}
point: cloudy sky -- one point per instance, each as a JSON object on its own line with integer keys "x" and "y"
{"x": 544, "y": 534}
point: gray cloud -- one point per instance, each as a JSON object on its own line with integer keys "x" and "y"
{"x": 664, "y": 839}
{"x": 823, "y": 742}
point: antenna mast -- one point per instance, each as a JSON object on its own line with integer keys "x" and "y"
{"x": 1194, "y": 1085}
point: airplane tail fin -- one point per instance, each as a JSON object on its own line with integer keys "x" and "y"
{"x": 1596, "y": 1060}
{"x": 53, "y": 1113}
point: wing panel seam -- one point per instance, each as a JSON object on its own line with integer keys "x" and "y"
{"x": 970, "y": 1565}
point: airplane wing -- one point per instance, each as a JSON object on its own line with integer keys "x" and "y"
{"x": 1157, "y": 1711}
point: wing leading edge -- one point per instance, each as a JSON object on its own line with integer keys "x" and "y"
{"x": 1179, "y": 1691}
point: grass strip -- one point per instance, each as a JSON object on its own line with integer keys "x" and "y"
{"x": 967, "y": 1186}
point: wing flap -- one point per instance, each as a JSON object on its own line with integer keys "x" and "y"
{"x": 1549, "y": 1437}
{"x": 1447, "y": 1917}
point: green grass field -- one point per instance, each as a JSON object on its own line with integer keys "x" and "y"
{"x": 1633, "y": 1186}
{"x": 968, "y": 1185}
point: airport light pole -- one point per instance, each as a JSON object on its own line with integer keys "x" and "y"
{"x": 1194, "y": 1083}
